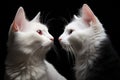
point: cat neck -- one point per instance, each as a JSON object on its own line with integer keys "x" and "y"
{"x": 87, "y": 54}
{"x": 84, "y": 61}
{"x": 90, "y": 47}
{"x": 25, "y": 56}
{"x": 25, "y": 62}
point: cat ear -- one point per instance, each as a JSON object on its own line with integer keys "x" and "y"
{"x": 75, "y": 17}
{"x": 19, "y": 20}
{"x": 36, "y": 18}
{"x": 87, "y": 15}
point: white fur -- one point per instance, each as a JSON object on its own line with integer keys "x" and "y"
{"x": 84, "y": 41}
{"x": 27, "y": 49}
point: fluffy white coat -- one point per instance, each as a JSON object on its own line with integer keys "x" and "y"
{"x": 28, "y": 43}
{"x": 82, "y": 37}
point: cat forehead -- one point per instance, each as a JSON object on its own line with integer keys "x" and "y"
{"x": 37, "y": 25}
{"x": 76, "y": 24}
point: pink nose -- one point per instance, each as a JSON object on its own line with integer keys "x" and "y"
{"x": 52, "y": 39}
{"x": 59, "y": 39}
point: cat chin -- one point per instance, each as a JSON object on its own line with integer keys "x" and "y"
{"x": 47, "y": 45}
{"x": 66, "y": 47}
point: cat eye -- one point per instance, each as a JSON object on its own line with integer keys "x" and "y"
{"x": 70, "y": 31}
{"x": 39, "y": 32}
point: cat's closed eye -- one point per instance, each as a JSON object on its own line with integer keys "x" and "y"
{"x": 39, "y": 32}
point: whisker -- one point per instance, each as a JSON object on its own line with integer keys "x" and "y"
{"x": 72, "y": 54}
{"x": 49, "y": 21}
{"x": 64, "y": 20}
{"x": 68, "y": 54}
{"x": 56, "y": 51}
{"x": 44, "y": 19}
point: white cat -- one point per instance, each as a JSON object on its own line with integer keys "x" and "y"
{"x": 85, "y": 37}
{"x": 28, "y": 43}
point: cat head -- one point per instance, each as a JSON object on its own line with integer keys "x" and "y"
{"x": 28, "y": 34}
{"x": 82, "y": 31}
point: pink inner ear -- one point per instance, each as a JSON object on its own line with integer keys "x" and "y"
{"x": 19, "y": 20}
{"x": 14, "y": 27}
{"x": 87, "y": 14}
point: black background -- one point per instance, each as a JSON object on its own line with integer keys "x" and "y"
{"x": 56, "y": 14}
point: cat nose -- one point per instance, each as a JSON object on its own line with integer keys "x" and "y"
{"x": 59, "y": 39}
{"x": 52, "y": 39}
